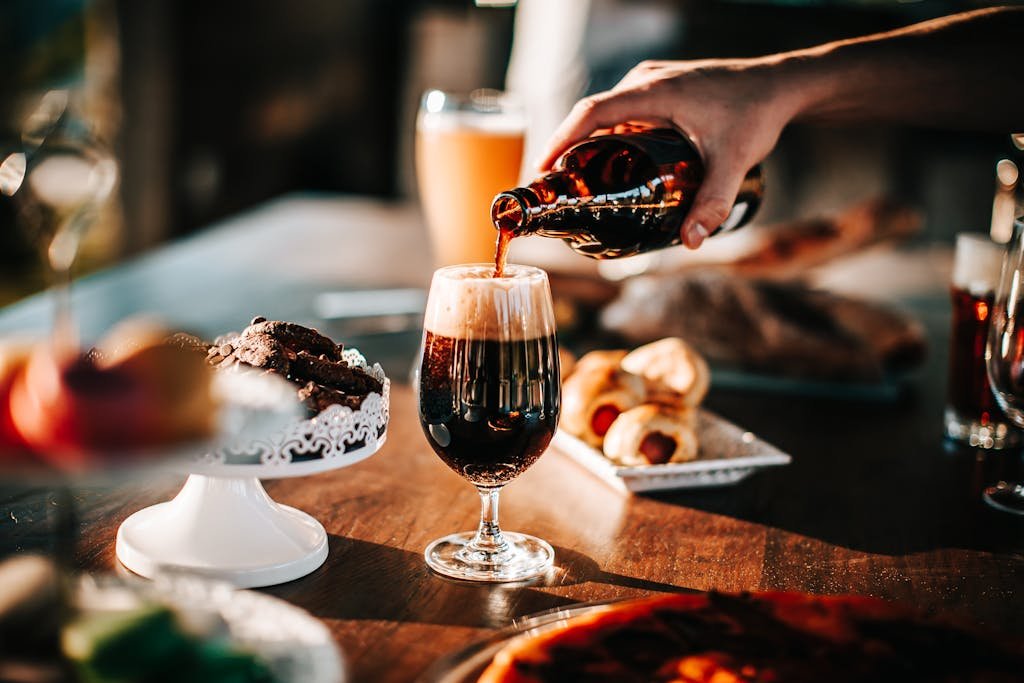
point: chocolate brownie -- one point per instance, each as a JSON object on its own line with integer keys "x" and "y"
{"x": 301, "y": 355}
{"x": 317, "y": 398}
{"x": 337, "y": 375}
{"x": 264, "y": 352}
{"x": 294, "y": 337}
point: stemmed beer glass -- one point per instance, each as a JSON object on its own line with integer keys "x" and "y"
{"x": 489, "y": 394}
{"x": 1004, "y": 359}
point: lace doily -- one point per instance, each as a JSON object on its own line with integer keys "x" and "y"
{"x": 338, "y": 436}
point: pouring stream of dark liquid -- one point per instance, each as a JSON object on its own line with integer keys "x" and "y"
{"x": 505, "y": 236}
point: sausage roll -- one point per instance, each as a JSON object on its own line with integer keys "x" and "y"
{"x": 675, "y": 374}
{"x": 652, "y": 435}
{"x": 594, "y": 396}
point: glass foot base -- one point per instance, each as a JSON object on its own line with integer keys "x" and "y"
{"x": 970, "y": 432}
{"x": 525, "y": 557}
{"x": 1007, "y": 497}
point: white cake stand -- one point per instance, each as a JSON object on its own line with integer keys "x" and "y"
{"x": 223, "y": 525}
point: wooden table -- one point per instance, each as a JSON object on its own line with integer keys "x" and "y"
{"x": 873, "y": 503}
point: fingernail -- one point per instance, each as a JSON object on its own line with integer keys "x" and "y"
{"x": 695, "y": 235}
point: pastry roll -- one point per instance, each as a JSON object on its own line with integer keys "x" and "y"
{"x": 566, "y": 361}
{"x": 603, "y": 359}
{"x": 652, "y": 435}
{"x": 675, "y": 374}
{"x": 594, "y": 396}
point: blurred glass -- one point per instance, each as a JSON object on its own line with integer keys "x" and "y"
{"x": 59, "y": 174}
{"x": 1004, "y": 359}
{"x": 972, "y": 416}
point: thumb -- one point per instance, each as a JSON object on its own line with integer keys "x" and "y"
{"x": 713, "y": 202}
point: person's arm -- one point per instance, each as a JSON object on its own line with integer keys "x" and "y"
{"x": 960, "y": 71}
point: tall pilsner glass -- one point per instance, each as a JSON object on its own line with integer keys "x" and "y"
{"x": 489, "y": 394}
{"x": 1004, "y": 359}
{"x": 468, "y": 149}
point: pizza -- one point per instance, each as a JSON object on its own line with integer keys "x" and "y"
{"x": 756, "y": 638}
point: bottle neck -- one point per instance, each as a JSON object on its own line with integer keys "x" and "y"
{"x": 513, "y": 211}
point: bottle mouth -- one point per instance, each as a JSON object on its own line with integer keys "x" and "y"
{"x": 509, "y": 211}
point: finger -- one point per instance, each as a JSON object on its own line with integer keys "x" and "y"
{"x": 714, "y": 200}
{"x": 597, "y": 111}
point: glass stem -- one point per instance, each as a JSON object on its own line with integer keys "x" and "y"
{"x": 488, "y": 536}
{"x": 64, "y": 334}
{"x": 61, "y": 256}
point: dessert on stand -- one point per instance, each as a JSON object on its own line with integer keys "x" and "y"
{"x": 222, "y": 524}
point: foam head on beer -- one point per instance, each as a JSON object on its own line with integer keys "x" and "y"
{"x": 468, "y": 302}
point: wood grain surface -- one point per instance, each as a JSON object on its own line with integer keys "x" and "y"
{"x": 874, "y": 503}
{"x": 393, "y": 617}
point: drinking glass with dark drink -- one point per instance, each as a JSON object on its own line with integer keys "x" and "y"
{"x": 972, "y": 415}
{"x": 489, "y": 393}
{"x": 1004, "y": 359}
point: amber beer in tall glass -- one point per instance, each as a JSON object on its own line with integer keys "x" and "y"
{"x": 468, "y": 149}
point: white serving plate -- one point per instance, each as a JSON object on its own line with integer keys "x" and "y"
{"x": 727, "y": 454}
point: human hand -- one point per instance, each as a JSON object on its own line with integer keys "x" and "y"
{"x": 732, "y": 110}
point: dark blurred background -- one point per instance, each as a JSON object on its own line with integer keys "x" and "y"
{"x": 213, "y": 107}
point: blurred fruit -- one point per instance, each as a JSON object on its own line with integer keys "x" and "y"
{"x": 14, "y": 355}
{"x": 176, "y": 381}
{"x": 68, "y": 410}
{"x": 128, "y": 337}
{"x": 135, "y": 393}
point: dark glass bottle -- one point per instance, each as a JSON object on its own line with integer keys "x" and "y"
{"x": 618, "y": 194}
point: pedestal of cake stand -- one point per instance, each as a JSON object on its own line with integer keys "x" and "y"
{"x": 224, "y": 528}
{"x": 222, "y": 524}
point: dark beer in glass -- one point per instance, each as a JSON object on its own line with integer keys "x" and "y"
{"x": 489, "y": 394}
